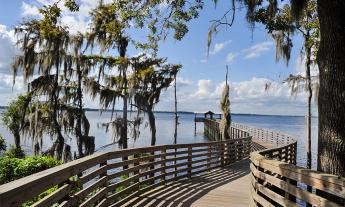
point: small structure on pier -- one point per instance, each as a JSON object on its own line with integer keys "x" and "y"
{"x": 200, "y": 117}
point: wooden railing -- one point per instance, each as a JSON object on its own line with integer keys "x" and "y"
{"x": 212, "y": 130}
{"x": 266, "y": 136}
{"x": 113, "y": 178}
{"x": 277, "y": 181}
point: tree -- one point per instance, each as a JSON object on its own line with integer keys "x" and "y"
{"x": 111, "y": 26}
{"x": 56, "y": 67}
{"x": 331, "y": 133}
{"x": 13, "y": 118}
{"x": 331, "y": 101}
{"x": 74, "y": 117}
{"x": 110, "y": 23}
{"x": 175, "y": 109}
{"x": 225, "y": 107}
{"x": 150, "y": 79}
{"x": 48, "y": 67}
{"x": 282, "y": 27}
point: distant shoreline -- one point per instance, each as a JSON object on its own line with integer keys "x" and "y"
{"x": 190, "y": 112}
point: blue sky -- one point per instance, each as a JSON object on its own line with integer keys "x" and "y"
{"x": 250, "y": 56}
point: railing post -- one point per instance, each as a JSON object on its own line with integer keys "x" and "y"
{"x": 222, "y": 151}
{"x": 135, "y": 156}
{"x": 226, "y": 153}
{"x": 294, "y": 153}
{"x": 163, "y": 164}
{"x": 105, "y": 185}
{"x": 190, "y": 162}
{"x": 175, "y": 156}
{"x": 209, "y": 158}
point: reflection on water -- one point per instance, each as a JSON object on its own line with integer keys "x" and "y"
{"x": 165, "y": 131}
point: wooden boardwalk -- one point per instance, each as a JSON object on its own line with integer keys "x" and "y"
{"x": 227, "y": 186}
{"x": 186, "y": 175}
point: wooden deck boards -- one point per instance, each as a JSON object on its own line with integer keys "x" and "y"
{"x": 228, "y": 186}
{"x": 220, "y": 187}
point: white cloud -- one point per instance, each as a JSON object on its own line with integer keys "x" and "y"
{"x": 181, "y": 82}
{"x": 76, "y": 21}
{"x": 29, "y": 10}
{"x": 7, "y": 49}
{"x": 301, "y": 67}
{"x": 230, "y": 58}
{"x": 205, "y": 88}
{"x": 257, "y": 50}
{"x": 246, "y": 97}
{"x": 9, "y": 91}
{"x": 219, "y": 47}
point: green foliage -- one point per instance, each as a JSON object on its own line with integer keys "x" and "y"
{"x": 112, "y": 21}
{"x": 13, "y": 116}
{"x": 51, "y": 14}
{"x": 72, "y": 5}
{"x": 51, "y": 62}
{"x": 2, "y": 144}
{"x": 122, "y": 178}
{"x": 14, "y": 168}
{"x": 40, "y": 197}
{"x": 15, "y": 152}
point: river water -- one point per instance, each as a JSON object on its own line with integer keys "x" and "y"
{"x": 292, "y": 125}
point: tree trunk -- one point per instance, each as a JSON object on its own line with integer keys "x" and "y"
{"x": 79, "y": 133}
{"x": 124, "y": 124}
{"x": 331, "y": 61}
{"x": 176, "y": 117}
{"x": 16, "y": 136}
{"x": 309, "y": 98}
{"x": 152, "y": 123}
{"x": 60, "y": 141}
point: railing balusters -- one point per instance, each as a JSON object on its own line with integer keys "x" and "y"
{"x": 189, "y": 172}
{"x": 109, "y": 180}
{"x": 163, "y": 164}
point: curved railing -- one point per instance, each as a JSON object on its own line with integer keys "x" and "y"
{"x": 113, "y": 178}
{"x": 277, "y": 181}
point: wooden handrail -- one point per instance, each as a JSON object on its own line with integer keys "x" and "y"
{"x": 105, "y": 179}
{"x": 277, "y": 181}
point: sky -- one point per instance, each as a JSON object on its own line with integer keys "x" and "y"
{"x": 249, "y": 54}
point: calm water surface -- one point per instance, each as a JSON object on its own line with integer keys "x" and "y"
{"x": 294, "y": 126}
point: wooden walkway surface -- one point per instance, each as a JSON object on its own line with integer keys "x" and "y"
{"x": 227, "y": 186}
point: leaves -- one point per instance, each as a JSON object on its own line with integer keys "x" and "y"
{"x": 14, "y": 168}
{"x": 59, "y": 67}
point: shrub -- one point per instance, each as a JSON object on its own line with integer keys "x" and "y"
{"x": 14, "y": 168}
{"x": 15, "y": 152}
{"x": 2, "y": 144}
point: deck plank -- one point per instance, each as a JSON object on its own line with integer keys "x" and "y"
{"x": 228, "y": 186}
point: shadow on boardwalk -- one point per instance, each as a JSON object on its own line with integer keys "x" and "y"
{"x": 211, "y": 189}
{"x": 227, "y": 186}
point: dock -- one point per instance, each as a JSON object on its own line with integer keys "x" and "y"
{"x": 256, "y": 167}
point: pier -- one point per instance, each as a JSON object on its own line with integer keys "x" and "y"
{"x": 256, "y": 167}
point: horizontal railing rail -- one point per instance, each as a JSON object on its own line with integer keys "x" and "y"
{"x": 266, "y": 136}
{"x": 113, "y": 178}
{"x": 277, "y": 181}
{"x": 212, "y": 130}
